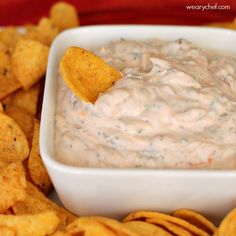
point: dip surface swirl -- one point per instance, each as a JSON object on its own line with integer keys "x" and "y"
{"x": 175, "y": 107}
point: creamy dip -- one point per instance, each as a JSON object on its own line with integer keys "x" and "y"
{"x": 175, "y": 107}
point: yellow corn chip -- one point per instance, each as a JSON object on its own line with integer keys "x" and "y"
{"x": 27, "y": 99}
{"x": 3, "y": 46}
{"x": 6, "y": 231}
{"x": 30, "y": 32}
{"x": 12, "y": 185}
{"x": 196, "y": 219}
{"x": 13, "y": 143}
{"x": 36, "y": 202}
{"x": 8, "y": 50}
{"x": 64, "y": 16}
{"x": 115, "y": 226}
{"x": 36, "y": 168}
{"x": 44, "y": 32}
{"x": 41, "y": 224}
{"x": 28, "y": 27}
{"x": 29, "y": 62}
{"x": 88, "y": 226}
{"x": 8, "y": 84}
{"x": 33, "y": 205}
{"x": 24, "y": 119}
{"x": 228, "y": 225}
{"x": 30, "y": 205}
{"x": 170, "y": 219}
{"x": 86, "y": 74}
{"x": 169, "y": 226}
{"x": 9, "y": 36}
{"x": 146, "y": 229}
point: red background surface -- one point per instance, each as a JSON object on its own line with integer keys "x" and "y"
{"x": 18, "y": 12}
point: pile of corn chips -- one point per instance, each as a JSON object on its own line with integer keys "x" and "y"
{"x": 24, "y": 183}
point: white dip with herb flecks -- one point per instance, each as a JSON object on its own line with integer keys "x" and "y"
{"x": 175, "y": 107}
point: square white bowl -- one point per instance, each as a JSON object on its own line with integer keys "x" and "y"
{"x": 116, "y": 192}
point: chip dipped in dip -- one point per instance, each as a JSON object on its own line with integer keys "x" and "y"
{"x": 174, "y": 107}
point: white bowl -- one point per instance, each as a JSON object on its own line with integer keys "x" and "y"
{"x": 116, "y": 192}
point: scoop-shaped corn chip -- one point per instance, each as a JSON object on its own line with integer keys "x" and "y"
{"x": 29, "y": 61}
{"x": 86, "y": 74}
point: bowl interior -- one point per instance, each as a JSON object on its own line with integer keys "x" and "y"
{"x": 93, "y": 36}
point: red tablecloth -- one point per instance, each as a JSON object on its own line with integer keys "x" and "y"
{"x": 18, "y": 12}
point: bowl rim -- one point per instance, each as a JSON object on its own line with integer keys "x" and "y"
{"x": 54, "y": 164}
